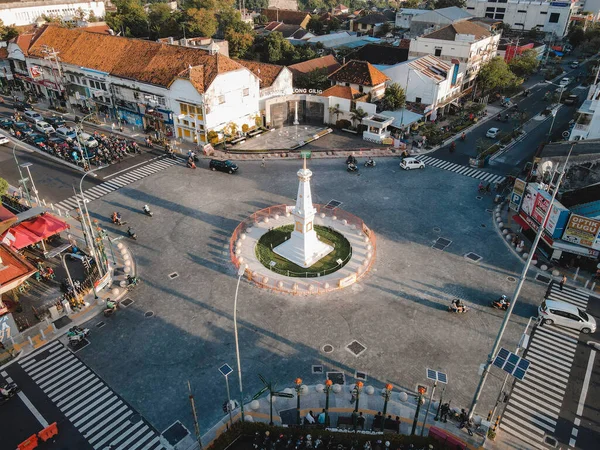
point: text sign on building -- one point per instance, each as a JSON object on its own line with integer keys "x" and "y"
{"x": 581, "y": 230}
{"x": 35, "y": 72}
{"x": 517, "y": 194}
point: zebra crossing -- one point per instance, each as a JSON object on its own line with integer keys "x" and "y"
{"x": 100, "y": 415}
{"x": 113, "y": 184}
{"x": 462, "y": 170}
{"x": 535, "y": 402}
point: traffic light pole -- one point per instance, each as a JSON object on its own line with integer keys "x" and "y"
{"x": 508, "y": 314}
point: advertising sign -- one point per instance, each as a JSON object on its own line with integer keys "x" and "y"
{"x": 35, "y": 72}
{"x": 8, "y": 328}
{"x": 517, "y": 194}
{"x": 540, "y": 207}
{"x": 581, "y": 230}
{"x": 559, "y": 215}
{"x": 529, "y": 198}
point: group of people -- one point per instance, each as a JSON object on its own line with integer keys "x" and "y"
{"x": 111, "y": 149}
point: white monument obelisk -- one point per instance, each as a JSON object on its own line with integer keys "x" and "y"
{"x": 303, "y": 248}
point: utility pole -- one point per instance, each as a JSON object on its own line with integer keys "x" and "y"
{"x": 196, "y": 425}
{"x": 496, "y": 345}
{"x": 51, "y": 55}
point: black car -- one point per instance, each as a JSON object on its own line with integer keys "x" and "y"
{"x": 56, "y": 122}
{"x": 23, "y": 106}
{"x": 223, "y": 166}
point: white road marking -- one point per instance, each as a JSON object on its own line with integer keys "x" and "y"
{"x": 586, "y": 382}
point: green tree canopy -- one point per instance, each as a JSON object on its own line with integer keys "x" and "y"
{"x": 239, "y": 43}
{"x": 7, "y": 32}
{"x": 524, "y": 64}
{"x": 130, "y": 18}
{"x": 447, "y": 3}
{"x": 394, "y": 97}
{"x": 576, "y": 36}
{"x": 496, "y": 75}
{"x": 315, "y": 79}
{"x": 3, "y": 186}
{"x": 201, "y": 22}
{"x": 163, "y": 21}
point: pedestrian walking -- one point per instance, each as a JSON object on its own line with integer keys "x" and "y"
{"x": 562, "y": 282}
{"x": 263, "y": 164}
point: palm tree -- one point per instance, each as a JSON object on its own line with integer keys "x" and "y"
{"x": 357, "y": 115}
{"x": 335, "y": 111}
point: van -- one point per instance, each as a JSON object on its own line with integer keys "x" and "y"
{"x": 567, "y": 315}
{"x": 33, "y": 116}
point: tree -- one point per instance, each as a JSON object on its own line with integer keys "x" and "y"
{"x": 277, "y": 49}
{"x": 231, "y": 19}
{"x": 448, "y": 3}
{"x": 413, "y": 4}
{"x": 394, "y": 97}
{"x": 576, "y": 36}
{"x": 335, "y": 111}
{"x": 261, "y": 20}
{"x": 130, "y": 18}
{"x": 535, "y": 34}
{"x": 357, "y": 115}
{"x": 3, "y": 186}
{"x": 524, "y": 64}
{"x": 201, "y": 22}
{"x": 496, "y": 75}
{"x": 315, "y": 25}
{"x": 80, "y": 14}
{"x": 315, "y": 79}
{"x": 92, "y": 17}
{"x": 239, "y": 43}
{"x": 163, "y": 21}
{"x": 7, "y": 32}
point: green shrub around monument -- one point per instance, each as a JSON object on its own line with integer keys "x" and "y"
{"x": 342, "y": 250}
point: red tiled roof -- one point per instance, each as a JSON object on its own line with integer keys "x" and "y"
{"x": 15, "y": 266}
{"x": 24, "y": 41}
{"x": 286, "y": 16}
{"x": 266, "y": 73}
{"x": 145, "y": 61}
{"x": 324, "y": 62}
{"x": 359, "y": 72}
{"x": 341, "y": 92}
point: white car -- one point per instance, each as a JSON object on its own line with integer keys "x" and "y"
{"x": 4, "y": 140}
{"x": 411, "y": 163}
{"x": 87, "y": 140}
{"x": 68, "y": 134}
{"x": 33, "y": 116}
{"x": 564, "y": 81}
{"x": 574, "y": 65}
{"x": 492, "y": 133}
{"x": 44, "y": 127}
{"x": 566, "y": 315}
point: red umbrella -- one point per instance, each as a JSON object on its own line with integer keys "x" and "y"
{"x": 45, "y": 225}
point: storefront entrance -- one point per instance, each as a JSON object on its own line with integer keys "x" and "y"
{"x": 285, "y": 113}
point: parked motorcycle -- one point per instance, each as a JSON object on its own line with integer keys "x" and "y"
{"x": 8, "y": 390}
{"x": 370, "y": 163}
{"x": 77, "y": 334}
{"x": 132, "y": 282}
{"x": 111, "y": 307}
{"x": 502, "y": 303}
{"x": 147, "y": 211}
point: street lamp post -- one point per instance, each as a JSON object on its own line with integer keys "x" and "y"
{"x": 428, "y": 407}
{"x": 386, "y": 394}
{"x": 507, "y": 315}
{"x": 240, "y": 273}
{"x": 85, "y": 158}
{"x": 357, "y": 389}
{"x": 89, "y": 222}
{"x": 328, "y": 385}
{"x": 26, "y": 166}
{"x": 22, "y": 180}
{"x": 298, "y": 388}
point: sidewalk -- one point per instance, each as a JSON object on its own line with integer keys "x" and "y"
{"x": 120, "y": 263}
{"x": 371, "y": 402}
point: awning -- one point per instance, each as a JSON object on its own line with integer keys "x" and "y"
{"x": 21, "y": 237}
{"x": 45, "y": 225}
{"x": 520, "y": 222}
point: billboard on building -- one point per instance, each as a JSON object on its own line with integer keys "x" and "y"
{"x": 35, "y": 72}
{"x": 559, "y": 215}
{"x": 529, "y": 197}
{"x": 582, "y": 230}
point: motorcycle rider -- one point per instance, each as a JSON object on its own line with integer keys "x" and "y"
{"x": 350, "y": 160}
{"x": 458, "y": 305}
{"x": 370, "y": 161}
{"x": 503, "y": 301}
{"x": 146, "y": 210}
{"x": 352, "y": 167}
{"x": 110, "y": 304}
{"x": 452, "y": 146}
{"x": 130, "y": 232}
{"x": 463, "y": 136}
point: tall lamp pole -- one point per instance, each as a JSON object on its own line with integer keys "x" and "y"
{"x": 496, "y": 345}
{"x": 27, "y": 165}
{"x": 89, "y": 222}
{"x": 241, "y": 271}
{"x": 22, "y": 180}
{"x": 562, "y": 89}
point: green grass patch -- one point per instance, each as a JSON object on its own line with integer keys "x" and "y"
{"x": 328, "y": 264}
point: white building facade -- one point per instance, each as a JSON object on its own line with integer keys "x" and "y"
{"x": 26, "y": 13}
{"x": 464, "y": 43}
{"x": 587, "y": 123}
{"x": 549, "y": 17}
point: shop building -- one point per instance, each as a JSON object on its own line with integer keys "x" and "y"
{"x": 29, "y": 12}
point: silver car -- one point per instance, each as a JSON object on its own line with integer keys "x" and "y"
{"x": 566, "y": 315}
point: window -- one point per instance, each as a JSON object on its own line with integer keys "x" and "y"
{"x": 136, "y": 95}
{"x": 522, "y": 11}
{"x": 492, "y": 9}
{"x": 360, "y": 89}
{"x": 470, "y": 7}
{"x": 489, "y": 15}
{"x": 162, "y": 101}
{"x": 499, "y": 16}
{"x": 103, "y": 86}
{"x": 438, "y": 51}
{"x": 246, "y": 92}
{"x": 418, "y": 100}
{"x": 221, "y": 99}
{"x": 183, "y": 107}
{"x": 554, "y": 17}
{"x": 500, "y": 9}
{"x": 519, "y": 24}
{"x": 544, "y": 12}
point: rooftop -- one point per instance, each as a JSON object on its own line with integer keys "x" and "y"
{"x": 449, "y": 32}
{"x": 341, "y": 92}
{"x": 359, "y": 72}
{"x": 266, "y": 73}
{"x": 13, "y": 266}
{"x": 324, "y": 62}
{"x": 381, "y": 54}
{"x": 431, "y": 67}
{"x": 287, "y": 16}
{"x": 146, "y": 61}
{"x": 372, "y": 19}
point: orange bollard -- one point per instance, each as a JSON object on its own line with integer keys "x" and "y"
{"x": 29, "y": 444}
{"x": 48, "y": 432}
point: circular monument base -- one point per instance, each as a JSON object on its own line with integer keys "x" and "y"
{"x": 243, "y": 242}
